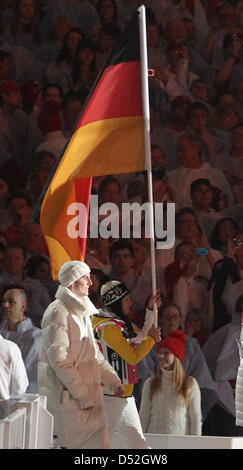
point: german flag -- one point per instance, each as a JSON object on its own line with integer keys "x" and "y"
{"x": 108, "y": 139}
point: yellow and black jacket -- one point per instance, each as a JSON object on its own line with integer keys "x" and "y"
{"x": 122, "y": 353}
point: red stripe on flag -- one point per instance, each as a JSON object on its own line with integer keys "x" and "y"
{"x": 83, "y": 191}
{"x": 117, "y": 94}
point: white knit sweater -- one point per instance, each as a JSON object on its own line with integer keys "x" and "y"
{"x": 167, "y": 413}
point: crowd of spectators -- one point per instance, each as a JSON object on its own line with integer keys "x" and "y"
{"x": 50, "y": 54}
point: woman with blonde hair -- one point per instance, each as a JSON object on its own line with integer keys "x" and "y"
{"x": 171, "y": 399}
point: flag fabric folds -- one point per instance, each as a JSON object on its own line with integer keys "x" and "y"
{"x": 108, "y": 139}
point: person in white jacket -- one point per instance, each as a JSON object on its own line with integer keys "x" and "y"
{"x": 13, "y": 376}
{"x": 18, "y": 327}
{"x": 71, "y": 368}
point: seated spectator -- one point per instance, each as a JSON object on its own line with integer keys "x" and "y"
{"x": 6, "y": 10}
{"x": 31, "y": 96}
{"x": 60, "y": 70}
{"x": 201, "y": 92}
{"x": 109, "y": 190}
{"x": 41, "y": 166}
{"x": 11, "y": 133}
{"x": 97, "y": 253}
{"x": 194, "y": 363}
{"x": 32, "y": 102}
{"x": 230, "y": 73}
{"x": 36, "y": 185}
{"x": 176, "y": 79}
{"x": 224, "y": 117}
{"x": 220, "y": 200}
{"x": 5, "y": 217}
{"x": 226, "y": 284}
{"x": 20, "y": 209}
{"x": 184, "y": 285}
{"x": 141, "y": 260}
{"x": 222, "y": 355}
{"x": 202, "y": 195}
{"x": 188, "y": 229}
{"x": 14, "y": 271}
{"x": 195, "y": 12}
{"x": 34, "y": 240}
{"x": 107, "y": 11}
{"x": 83, "y": 15}
{"x": 52, "y": 91}
{"x": 223, "y": 20}
{"x": 225, "y": 229}
{"x": 6, "y": 65}
{"x": 137, "y": 186}
{"x": 223, "y": 121}
{"x": 162, "y": 192}
{"x": 195, "y": 326}
{"x": 198, "y": 120}
{"x": 156, "y": 53}
{"x": 2, "y": 257}
{"x": 14, "y": 380}
{"x": 38, "y": 267}
{"x": 84, "y": 69}
{"x": 157, "y": 157}
{"x": 18, "y": 328}
{"x": 121, "y": 258}
{"x": 18, "y": 63}
{"x": 193, "y": 167}
{"x": 107, "y": 39}
{"x": 49, "y": 50}
{"x": 234, "y": 164}
{"x": 3, "y": 239}
{"x": 177, "y": 31}
{"x": 167, "y": 136}
{"x": 24, "y": 29}
{"x": 238, "y": 99}
{"x": 126, "y": 10}
{"x": 211, "y": 204}
{"x": 71, "y": 108}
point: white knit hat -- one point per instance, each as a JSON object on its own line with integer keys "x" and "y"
{"x": 71, "y": 271}
{"x": 112, "y": 291}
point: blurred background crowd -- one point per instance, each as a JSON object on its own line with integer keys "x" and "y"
{"x": 50, "y": 54}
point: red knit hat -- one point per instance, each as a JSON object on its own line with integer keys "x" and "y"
{"x": 49, "y": 119}
{"x": 30, "y": 91}
{"x": 175, "y": 342}
{"x": 7, "y": 86}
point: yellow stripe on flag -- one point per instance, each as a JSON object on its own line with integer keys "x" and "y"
{"x": 101, "y": 148}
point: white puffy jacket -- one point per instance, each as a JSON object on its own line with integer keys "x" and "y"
{"x": 71, "y": 371}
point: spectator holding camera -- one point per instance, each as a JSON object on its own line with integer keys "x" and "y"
{"x": 230, "y": 73}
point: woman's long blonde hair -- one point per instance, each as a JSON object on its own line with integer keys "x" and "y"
{"x": 181, "y": 381}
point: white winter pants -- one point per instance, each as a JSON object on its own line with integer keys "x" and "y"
{"x": 83, "y": 429}
{"x": 123, "y": 417}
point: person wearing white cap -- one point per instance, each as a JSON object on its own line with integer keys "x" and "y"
{"x": 71, "y": 368}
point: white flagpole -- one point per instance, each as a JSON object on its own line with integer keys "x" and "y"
{"x": 146, "y": 114}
